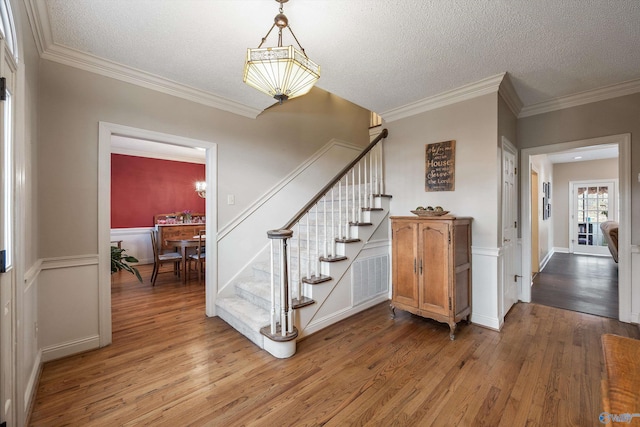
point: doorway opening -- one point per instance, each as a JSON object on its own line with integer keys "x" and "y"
{"x": 623, "y": 144}
{"x": 107, "y": 131}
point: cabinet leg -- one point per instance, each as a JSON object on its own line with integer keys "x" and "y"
{"x": 452, "y": 331}
{"x": 392, "y": 311}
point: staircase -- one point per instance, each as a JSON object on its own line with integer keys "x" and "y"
{"x": 308, "y": 258}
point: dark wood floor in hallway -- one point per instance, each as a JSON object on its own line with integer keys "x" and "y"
{"x": 169, "y": 365}
{"x": 584, "y": 283}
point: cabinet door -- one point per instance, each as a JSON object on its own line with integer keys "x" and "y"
{"x": 404, "y": 275}
{"x": 434, "y": 249}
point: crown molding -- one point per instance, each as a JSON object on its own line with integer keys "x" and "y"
{"x": 40, "y": 28}
{"x": 463, "y": 93}
{"x": 39, "y": 21}
{"x": 607, "y": 92}
{"x": 509, "y": 95}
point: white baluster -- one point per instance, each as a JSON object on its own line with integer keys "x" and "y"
{"x": 340, "y": 209}
{"x": 371, "y": 181}
{"x": 375, "y": 156}
{"x": 324, "y": 224}
{"x": 353, "y": 191}
{"x": 359, "y": 193}
{"x": 366, "y": 196}
{"x": 308, "y": 215}
{"x": 381, "y": 168}
{"x": 346, "y": 203}
{"x": 273, "y": 294}
{"x": 289, "y": 300}
{"x": 332, "y": 245}
{"x": 317, "y": 256}
{"x": 298, "y": 280}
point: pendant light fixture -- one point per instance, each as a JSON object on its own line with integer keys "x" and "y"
{"x": 280, "y": 72}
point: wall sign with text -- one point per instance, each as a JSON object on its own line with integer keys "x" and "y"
{"x": 440, "y": 166}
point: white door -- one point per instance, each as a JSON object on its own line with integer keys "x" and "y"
{"x": 509, "y": 225}
{"x": 592, "y": 203}
{"x": 7, "y": 282}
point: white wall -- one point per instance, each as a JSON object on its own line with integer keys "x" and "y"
{"x": 544, "y": 167}
{"x": 474, "y": 126}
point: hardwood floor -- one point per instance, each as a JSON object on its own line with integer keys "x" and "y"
{"x": 171, "y": 365}
{"x": 584, "y": 283}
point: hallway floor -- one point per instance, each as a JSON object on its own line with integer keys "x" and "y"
{"x": 583, "y": 283}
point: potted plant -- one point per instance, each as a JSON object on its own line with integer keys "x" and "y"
{"x": 120, "y": 260}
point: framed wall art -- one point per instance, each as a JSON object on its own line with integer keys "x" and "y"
{"x": 440, "y": 166}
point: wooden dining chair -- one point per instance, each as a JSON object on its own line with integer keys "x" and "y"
{"x": 160, "y": 259}
{"x": 200, "y": 256}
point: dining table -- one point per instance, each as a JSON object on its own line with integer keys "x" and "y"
{"x": 184, "y": 244}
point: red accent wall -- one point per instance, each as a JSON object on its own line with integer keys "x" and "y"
{"x": 143, "y": 187}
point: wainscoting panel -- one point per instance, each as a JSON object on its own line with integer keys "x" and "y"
{"x": 68, "y": 306}
{"x": 486, "y": 287}
{"x": 136, "y": 242}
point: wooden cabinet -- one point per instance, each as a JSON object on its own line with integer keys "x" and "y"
{"x": 431, "y": 267}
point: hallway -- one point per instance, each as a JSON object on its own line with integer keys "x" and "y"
{"x": 583, "y": 283}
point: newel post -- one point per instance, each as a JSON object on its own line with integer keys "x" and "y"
{"x": 286, "y": 309}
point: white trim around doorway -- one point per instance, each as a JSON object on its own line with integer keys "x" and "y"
{"x": 626, "y": 313}
{"x": 106, "y": 131}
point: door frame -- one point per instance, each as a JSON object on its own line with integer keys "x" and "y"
{"x": 106, "y": 130}
{"x": 624, "y": 190}
{"x": 535, "y": 219}
{"x": 574, "y": 247}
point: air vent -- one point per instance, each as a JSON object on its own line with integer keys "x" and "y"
{"x": 370, "y": 278}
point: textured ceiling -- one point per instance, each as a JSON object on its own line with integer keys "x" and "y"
{"x": 381, "y": 55}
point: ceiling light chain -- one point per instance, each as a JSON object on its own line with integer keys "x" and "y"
{"x": 281, "y": 72}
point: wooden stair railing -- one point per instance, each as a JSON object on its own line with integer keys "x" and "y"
{"x": 354, "y": 189}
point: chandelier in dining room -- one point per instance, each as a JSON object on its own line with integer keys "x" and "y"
{"x": 201, "y": 189}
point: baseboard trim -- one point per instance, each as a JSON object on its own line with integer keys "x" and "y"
{"x": 70, "y": 347}
{"x": 486, "y": 321}
{"x": 32, "y": 384}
